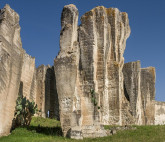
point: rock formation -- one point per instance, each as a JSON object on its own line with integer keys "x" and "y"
{"x": 91, "y": 57}
{"x": 28, "y": 77}
{"x": 159, "y": 113}
{"x": 18, "y": 74}
{"x": 11, "y": 60}
{"x": 46, "y": 93}
{"x": 102, "y": 38}
{"x": 139, "y": 90}
{"x": 89, "y": 84}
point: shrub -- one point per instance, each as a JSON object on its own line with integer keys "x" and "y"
{"x": 24, "y": 111}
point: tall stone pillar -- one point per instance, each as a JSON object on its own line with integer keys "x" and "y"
{"x": 132, "y": 102}
{"x": 66, "y": 70}
{"x": 102, "y": 38}
{"x": 148, "y": 78}
{"x": 90, "y": 59}
{"x": 11, "y": 60}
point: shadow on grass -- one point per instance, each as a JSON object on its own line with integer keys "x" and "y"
{"x": 52, "y": 131}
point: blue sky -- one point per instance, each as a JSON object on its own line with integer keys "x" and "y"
{"x": 40, "y": 30}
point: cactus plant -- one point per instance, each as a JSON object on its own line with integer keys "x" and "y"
{"x": 24, "y": 111}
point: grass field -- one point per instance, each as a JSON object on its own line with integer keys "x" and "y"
{"x": 48, "y": 130}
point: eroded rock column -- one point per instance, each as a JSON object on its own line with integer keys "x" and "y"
{"x": 102, "y": 38}
{"x": 148, "y": 78}
{"x": 91, "y": 60}
{"x": 139, "y": 90}
{"x": 132, "y": 102}
{"x": 11, "y": 60}
{"x": 28, "y": 77}
{"x": 159, "y": 113}
{"x": 66, "y": 71}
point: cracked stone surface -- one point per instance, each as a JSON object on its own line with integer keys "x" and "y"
{"x": 90, "y": 58}
{"x": 18, "y": 74}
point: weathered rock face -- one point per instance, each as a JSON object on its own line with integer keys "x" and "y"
{"x": 11, "y": 60}
{"x": 91, "y": 58}
{"x": 89, "y": 84}
{"x": 148, "y": 94}
{"x": 132, "y": 78}
{"x": 51, "y": 100}
{"x": 46, "y": 93}
{"x": 139, "y": 86}
{"x": 66, "y": 71}
{"x": 159, "y": 113}
{"x": 40, "y": 96}
{"x": 18, "y": 74}
{"x": 102, "y": 38}
{"x": 28, "y": 77}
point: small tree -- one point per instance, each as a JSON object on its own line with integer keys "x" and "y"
{"x": 24, "y": 111}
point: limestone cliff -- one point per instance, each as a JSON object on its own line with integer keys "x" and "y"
{"x": 46, "y": 93}
{"x": 102, "y": 39}
{"x": 67, "y": 71}
{"x": 159, "y": 113}
{"x": 91, "y": 57}
{"x": 11, "y": 60}
{"x": 148, "y": 78}
{"x": 18, "y": 74}
{"x": 89, "y": 84}
{"x": 139, "y": 90}
{"x": 28, "y": 77}
{"x": 132, "y": 93}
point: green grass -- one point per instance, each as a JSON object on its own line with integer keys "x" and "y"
{"x": 48, "y": 130}
{"x": 44, "y": 122}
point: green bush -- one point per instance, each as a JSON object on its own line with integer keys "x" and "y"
{"x": 24, "y": 111}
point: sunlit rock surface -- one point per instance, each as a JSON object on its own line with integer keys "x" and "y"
{"x": 139, "y": 90}
{"x": 11, "y": 60}
{"x": 19, "y": 76}
{"x": 90, "y": 60}
{"x": 159, "y": 113}
{"x": 91, "y": 57}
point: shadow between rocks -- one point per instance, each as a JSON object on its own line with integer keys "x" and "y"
{"x": 52, "y": 131}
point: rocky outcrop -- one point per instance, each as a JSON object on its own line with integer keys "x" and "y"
{"x": 89, "y": 84}
{"x": 67, "y": 70}
{"x": 11, "y": 60}
{"x": 19, "y": 76}
{"x": 139, "y": 89}
{"x": 132, "y": 93}
{"x": 28, "y": 77}
{"x": 91, "y": 58}
{"x": 148, "y": 94}
{"x": 102, "y": 38}
{"x": 159, "y": 113}
{"x": 51, "y": 103}
{"x": 46, "y": 93}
